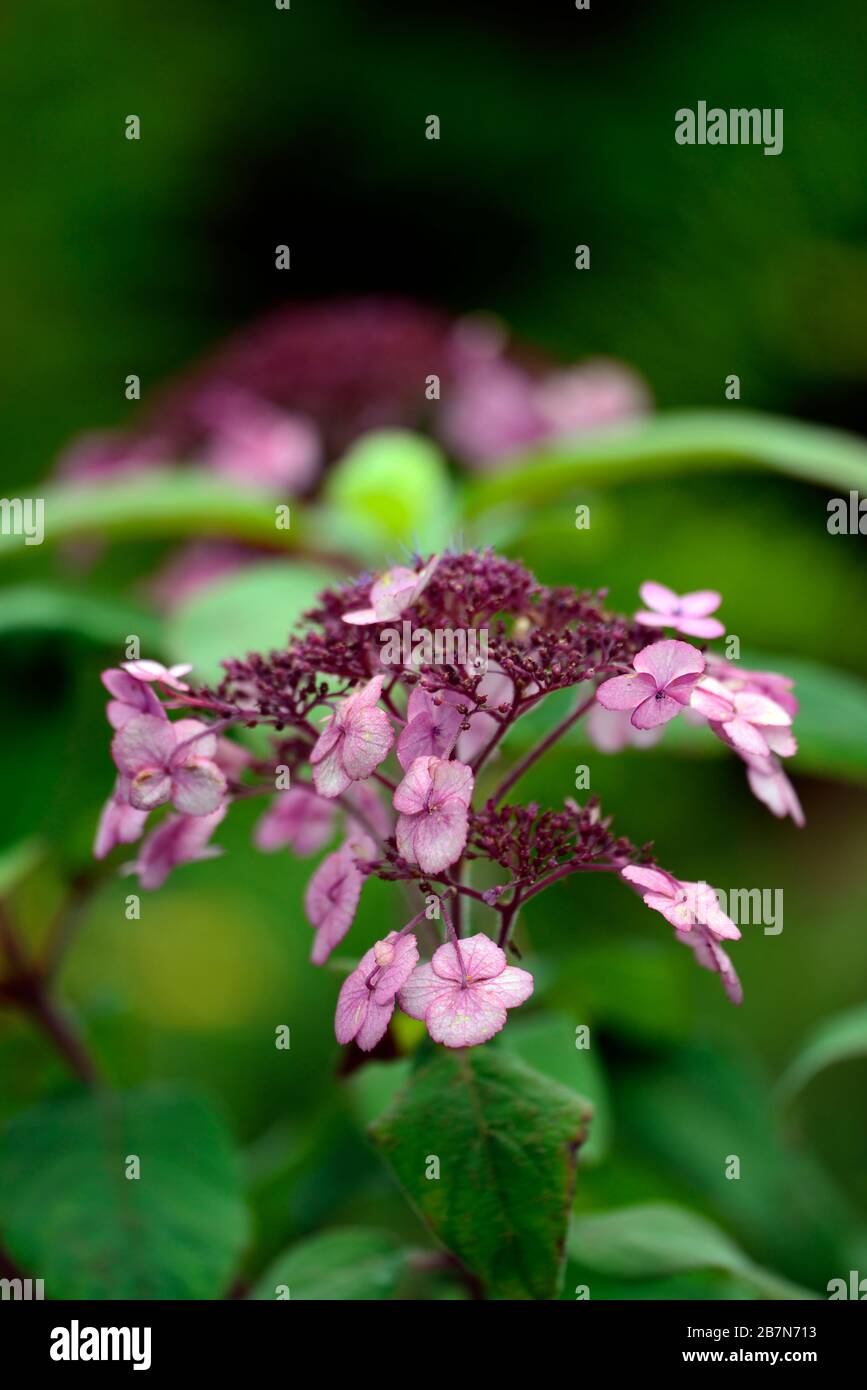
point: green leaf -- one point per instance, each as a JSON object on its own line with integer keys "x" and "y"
{"x": 836, "y": 1039}
{"x": 658, "y": 1239}
{"x": 507, "y": 1140}
{"x": 397, "y": 484}
{"x": 71, "y": 1216}
{"x": 546, "y": 1042}
{"x": 32, "y": 608}
{"x": 360, "y": 1265}
{"x": 252, "y": 610}
{"x": 17, "y": 861}
{"x": 677, "y": 442}
{"x": 160, "y": 503}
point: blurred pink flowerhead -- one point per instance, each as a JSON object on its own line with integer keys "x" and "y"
{"x": 297, "y": 819}
{"x": 432, "y": 825}
{"x": 463, "y": 994}
{"x": 665, "y": 674}
{"x": 367, "y": 997}
{"x": 252, "y": 441}
{"x": 169, "y": 762}
{"x": 682, "y": 903}
{"x": 355, "y": 740}
{"x": 177, "y": 840}
{"x": 397, "y": 589}
{"x": 686, "y": 613}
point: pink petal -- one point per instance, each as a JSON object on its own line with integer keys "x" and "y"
{"x": 759, "y": 709}
{"x": 119, "y": 824}
{"x": 329, "y": 775}
{"x": 178, "y": 840}
{"x": 746, "y": 737}
{"x": 667, "y": 660}
{"x": 411, "y": 795}
{"x": 198, "y": 787}
{"x": 451, "y": 780}
{"x": 655, "y": 711}
{"x": 151, "y": 787}
{"x": 781, "y": 741}
{"x": 650, "y": 619}
{"x": 465, "y": 1017}
{"x": 360, "y": 617}
{"x": 353, "y": 1004}
{"x": 197, "y": 743}
{"x": 706, "y": 628}
{"x": 707, "y": 912}
{"x": 331, "y": 735}
{"x": 511, "y": 987}
{"x": 483, "y": 959}
{"x": 439, "y": 837}
{"x": 657, "y": 880}
{"x": 712, "y": 700}
{"x": 143, "y": 742}
{"x": 331, "y": 900}
{"x": 713, "y": 957}
{"x": 659, "y": 596}
{"x": 420, "y": 990}
{"x": 297, "y": 818}
{"x": 625, "y": 692}
{"x": 772, "y": 787}
{"x": 367, "y": 742}
{"x": 393, "y": 976}
{"x": 700, "y": 603}
{"x": 375, "y": 1024}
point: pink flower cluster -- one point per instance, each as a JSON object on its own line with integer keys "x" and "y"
{"x": 386, "y": 761}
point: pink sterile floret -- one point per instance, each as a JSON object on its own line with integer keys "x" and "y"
{"x": 682, "y": 903}
{"x": 130, "y": 697}
{"x": 432, "y": 800}
{"x": 119, "y": 823}
{"x": 331, "y": 898}
{"x": 367, "y": 997}
{"x": 711, "y": 955}
{"x": 151, "y": 671}
{"x": 753, "y": 724}
{"x": 169, "y": 762}
{"x": 356, "y": 739}
{"x": 463, "y": 994}
{"x": 178, "y": 840}
{"x": 665, "y": 674}
{"x": 687, "y": 613}
{"x": 394, "y": 591}
{"x": 433, "y": 725}
{"x": 298, "y": 819}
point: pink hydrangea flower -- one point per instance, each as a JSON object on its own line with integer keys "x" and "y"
{"x": 332, "y": 895}
{"x": 297, "y": 818}
{"x": 433, "y": 799}
{"x": 119, "y": 823}
{"x": 130, "y": 697}
{"x": 356, "y": 739}
{"x": 771, "y": 683}
{"x": 151, "y": 671}
{"x": 711, "y": 955}
{"x": 169, "y": 762}
{"x": 256, "y": 443}
{"x": 433, "y": 725}
{"x": 665, "y": 674}
{"x": 687, "y": 613}
{"x": 367, "y": 997}
{"x": 682, "y": 903}
{"x": 463, "y": 994}
{"x": 752, "y": 723}
{"x": 397, "y": 589}
{"x": 177, "y": 840}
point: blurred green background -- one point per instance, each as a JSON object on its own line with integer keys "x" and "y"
{"x": 307, "y": 127}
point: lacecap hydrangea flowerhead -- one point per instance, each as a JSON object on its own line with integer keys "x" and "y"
{"x": 405, "y": 762}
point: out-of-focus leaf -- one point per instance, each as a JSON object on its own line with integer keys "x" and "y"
{"x": 70, "y": 1215}
{"x": 359, "y": 1265}
{"x": 658, "y": 1239}
{"x": 546, "y": 1042}
{"x": 677, "y": 442}
{"x": 252, "y": 610}
{"x": 398, "y": 484}
{"x": 506, "y": 1141}
{"x": 17, "y": 861}
{"x": 30, "y": 608}
{"x": 162, "y": 502}
{"x": 835, "y": 1040}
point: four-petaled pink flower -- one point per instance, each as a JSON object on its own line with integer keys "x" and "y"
{"x": 665, "y": 674}
{"x": 155, "y": 671}
{"x": 177, "y": 840}
{"x": 356, "y": 739}
{"x": 297, "y": 818}
{"x": 682, "y": 903}
{"x": 463, "y": 994}
{"x": 687, "y": 613}
{"x": 367, "y": 997}
{"x": 169, "y": 762}
{"x": 433, "y": 799}
{"x": 750, "y": 722}
{"x": 397, "y": 589}
{"x": 433, "y": 725}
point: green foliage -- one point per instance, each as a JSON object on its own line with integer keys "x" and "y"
{"x": 835, "y": 1040}
{"x": 506, "y": 1139}
{"x": 398, "y": 484}
{"x": 70, "y": 1215}
{"x": 355, "y": 1264}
